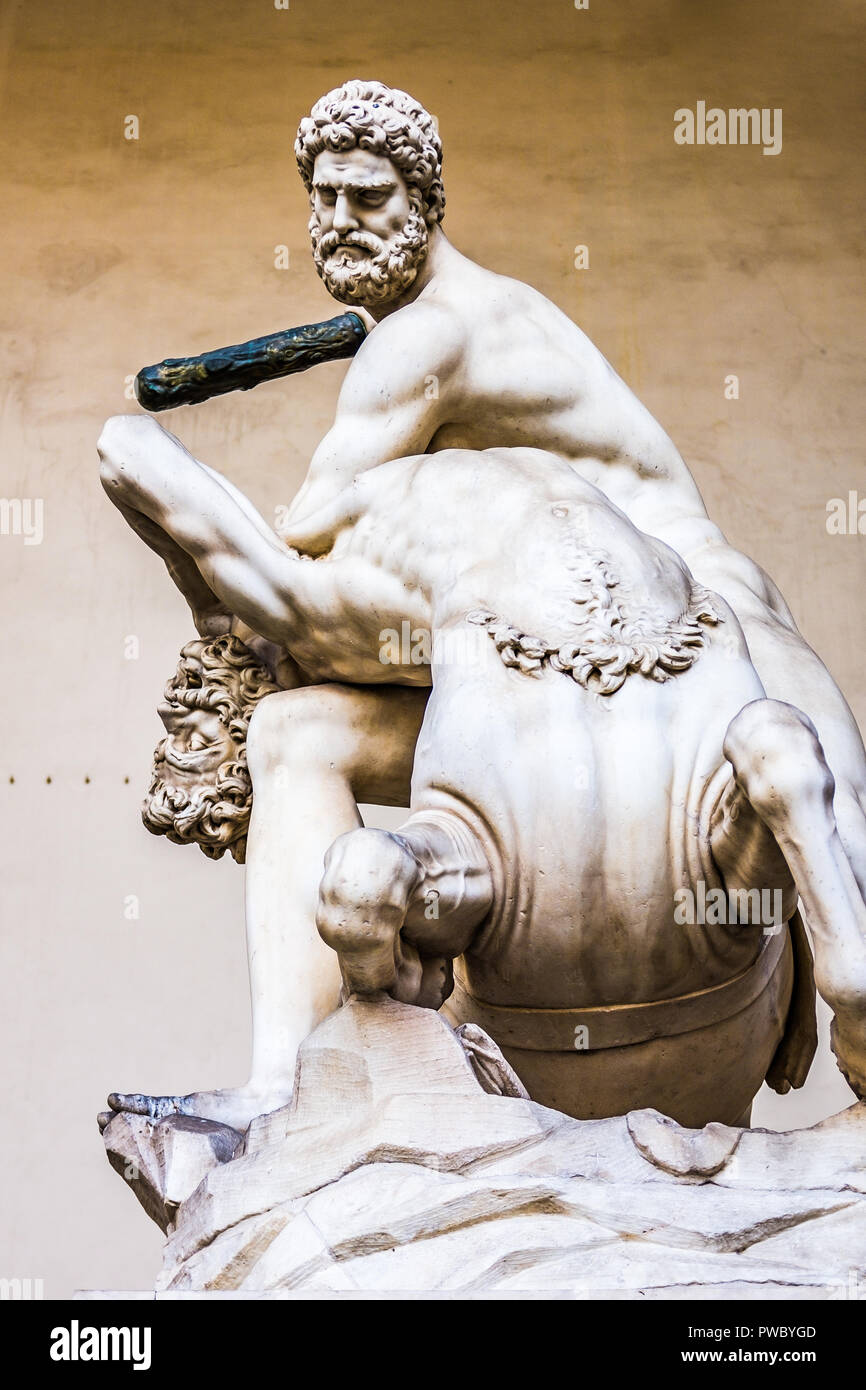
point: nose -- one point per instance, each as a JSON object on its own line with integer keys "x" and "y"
{"x": 344, "y": 221}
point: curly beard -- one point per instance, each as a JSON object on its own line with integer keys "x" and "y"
{"x": 385, "y": 274}
{"x": 214, "y": 815}
{"x": 208, "y": 806}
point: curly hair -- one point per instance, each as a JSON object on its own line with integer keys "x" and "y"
{"x": 615, "y": 637}
{"x": 226, "y": 677}
{"x": 385, "y": 121}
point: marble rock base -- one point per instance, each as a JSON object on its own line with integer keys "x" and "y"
{"x": 394, "y": 1171}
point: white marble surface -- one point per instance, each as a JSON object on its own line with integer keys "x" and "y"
{"x": 395, "y": 1171}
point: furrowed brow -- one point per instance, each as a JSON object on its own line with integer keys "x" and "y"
{"x": 356, "y": 185}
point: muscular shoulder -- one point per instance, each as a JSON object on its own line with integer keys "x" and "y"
{"x": 399, "y": 357}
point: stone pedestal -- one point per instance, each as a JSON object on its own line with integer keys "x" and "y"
{"x": 393, "y": 1170}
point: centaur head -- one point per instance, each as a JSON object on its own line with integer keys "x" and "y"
{"x": 200, "y": 790}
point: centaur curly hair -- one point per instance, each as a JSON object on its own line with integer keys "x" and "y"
{"x": 223, "y": 676}
{"x": 613, "y": 637}
{"x": 384, "y": 121}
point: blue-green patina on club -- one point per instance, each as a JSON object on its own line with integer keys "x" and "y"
{"x": 189, "y": 380}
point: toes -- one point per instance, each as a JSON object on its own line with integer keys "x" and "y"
{"x": 154, "y": 1107}
{"x": 134, "y": 1104}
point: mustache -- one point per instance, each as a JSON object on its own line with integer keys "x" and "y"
{"x": 190, "y": 761}
{"x": 389, "y": 268}
{"x": 332, "y": 241}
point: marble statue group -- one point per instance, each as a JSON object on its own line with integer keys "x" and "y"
{"x": 632, "y": 712}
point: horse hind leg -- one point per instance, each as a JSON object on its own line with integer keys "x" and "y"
{"x": 750, "y": 861}
{"x": 753, "y": 868}
{"x": 850, "y": 811}
{"x": 780, "y": 767}
{"x": 398, "y": 907}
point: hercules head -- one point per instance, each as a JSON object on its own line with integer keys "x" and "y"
{"x": 371, "y": 160}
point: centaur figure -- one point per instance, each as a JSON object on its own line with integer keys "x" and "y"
{"x": 597, "y": 740}
{"x": 457, "y": 357}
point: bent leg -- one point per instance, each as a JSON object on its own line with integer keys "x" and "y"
{"x": 780, "y": 766}
{"x": 791, "y": 672}
{"x": 150, "y": 477}
{"x": 220, "y": 553}
{"x": 313, "y": 754}
{"x": 752, "y": 864}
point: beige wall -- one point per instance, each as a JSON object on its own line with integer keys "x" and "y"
{"x": 558, "y": 130}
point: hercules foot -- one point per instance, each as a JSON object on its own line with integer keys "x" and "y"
{"x": 235, "y": 1107}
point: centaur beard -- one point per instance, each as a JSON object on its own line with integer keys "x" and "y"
{"x": 384, "y": 274}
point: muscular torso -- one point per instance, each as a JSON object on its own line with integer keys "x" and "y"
{"x": 514, "y": 370}
{"x": 481, "y": 361}
{"x": 531, "y": 377}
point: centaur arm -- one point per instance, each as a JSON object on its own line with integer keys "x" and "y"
{"x": 398, "y": 391}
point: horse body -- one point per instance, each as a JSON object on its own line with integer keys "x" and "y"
{"x": 591, "y": 809}
{"x": 604, "y": 745}
{"x": 590, "y": 805}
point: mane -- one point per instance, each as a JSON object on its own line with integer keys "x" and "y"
{"x": 613, "y": 637}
